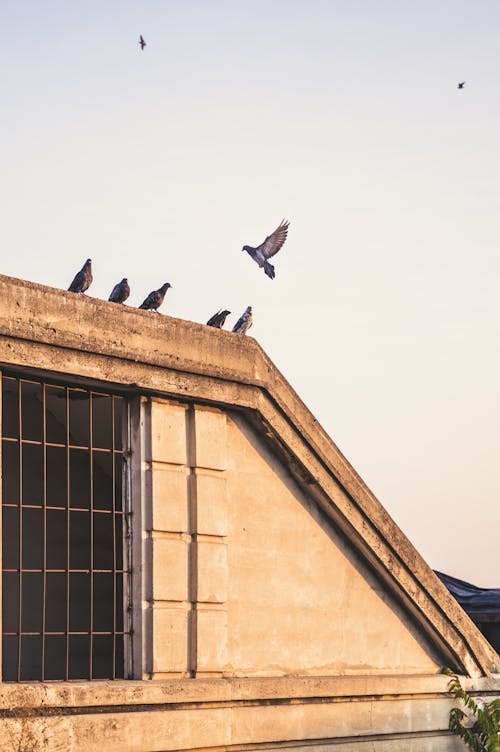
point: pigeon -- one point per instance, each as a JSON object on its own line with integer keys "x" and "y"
{"x": 268, "y": 248}
{"x": 142, "y": 42}
{"x": 83, "y": 279}
{"x": 461, "y": 84}
{"x": 218, "y": 319}
{"x": 120, "y": 292}
{"x": 244, "y": 322}
{"x": 155, "y": 298}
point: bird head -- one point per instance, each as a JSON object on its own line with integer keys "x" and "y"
{"x": 225, "y": 313}
{"x": 246, "y": 248}
{"x": 124, "y": 281}
{"x": 88, "y": 262}
{"x": 165, "y": 287}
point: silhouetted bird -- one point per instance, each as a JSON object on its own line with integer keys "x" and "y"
{"x": 155, "y": 298}
{"x": 268, "y": 248}
{"x": 461, "y": 84}
{"x": 218, "y": 319}
{"x": 83, "y": 279}
{"x": 120, "y": 292}
{"x": 142, "y": 42}
{"x": 244, "y": 322}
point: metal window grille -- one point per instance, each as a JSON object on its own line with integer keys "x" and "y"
{"x": 63, "y": 521}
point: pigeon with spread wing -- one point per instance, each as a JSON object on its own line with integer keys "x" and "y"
{"x": 218, "y": 319}
{"x": 83, "y": 279}
{"x": 268, "y": 248}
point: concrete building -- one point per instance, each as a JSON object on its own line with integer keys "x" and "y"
{"x": 189, "y": 562}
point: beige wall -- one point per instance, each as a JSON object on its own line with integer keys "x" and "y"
{"x": 248, "y": 577}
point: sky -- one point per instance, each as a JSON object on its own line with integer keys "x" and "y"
{"x": 344, "y": 117}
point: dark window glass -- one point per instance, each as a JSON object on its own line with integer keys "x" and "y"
{"x": 79, "y": 536}
{"x": 119, "y": 522}
{"x": 55, "y": 406}
{"x": 102, "y": 656}
{"x": 103, "y": 602}
{"x": 103, "y": 541}
{"x": 119, "y": 603}
{"x": 119, "y": 657}
{"x": 32, "y": 601}
{"x": 57, "y": 538}
{"x": 10, "y": 538}
{"x": 32, "y": 410}
{"x": 55, "y": 616}
{"x": 10, "y": 472}
{"x": 79, "y": 477}
{"x": 10, "y": 605}
{"x": 102, "y": 475}
{"x": 57, "y": 476}
{"x": 31, "y": 658}
{"x": 102, "y": 421}
{"x": 79, "y": 602}
{"x": 55, "y": 657}
{"x": 79, "y": 418}
{"x": 10, "y": 407}
{"x": 32, "y": 538}
{"x": 10, "y": 648}
{"x": 119, "y": 465}
{"x": 79, "y": 657}
{"x": 118, "y": 420}
{"x": 33, "y": 474}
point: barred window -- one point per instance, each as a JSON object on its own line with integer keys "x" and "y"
{"x": 63, "y": 563}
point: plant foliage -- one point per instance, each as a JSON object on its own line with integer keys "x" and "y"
{"x": 478, "y": 727}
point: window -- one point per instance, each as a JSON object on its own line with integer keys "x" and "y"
{"x": 63, "y": 563}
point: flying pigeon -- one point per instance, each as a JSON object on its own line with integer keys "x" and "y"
{"x": 218, "y": 319}
{"x": 155, "y": 298}
{"x": 142, "y": 42}
{"x": 83, "y": 279}
{"x": 461, "y": 84}
{"x": 268, "y": 248}
{"x": 244, "y": 322}
{"x": 120, "y": 292}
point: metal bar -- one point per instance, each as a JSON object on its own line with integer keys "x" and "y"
{"x": 113, "y": 470}
{"x": 44, "y": 595}
{"x": 20, "y": 612}
{"x": 91, "y": 470}
{"x": 68, "y": 539}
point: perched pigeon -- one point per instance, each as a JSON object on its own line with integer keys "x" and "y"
{"x": 83, "y": 279}
{"x": 244, "y": 322}
{"x": 218, "y": 319}
{"x": 120, "y": 292}
{"x": 155, "y": 298}
{"x": 142, "y": 42}
{"x": 461, "y": 84}
{"x": 268, "y": 248}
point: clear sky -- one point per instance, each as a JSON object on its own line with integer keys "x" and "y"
{"x": 343, "y": 116}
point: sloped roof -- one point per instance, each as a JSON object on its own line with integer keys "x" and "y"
{"x": 46, "y": 329}
{"x": 472, "y": 598}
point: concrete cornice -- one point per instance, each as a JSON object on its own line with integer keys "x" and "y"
{"x": 52, "y": 330}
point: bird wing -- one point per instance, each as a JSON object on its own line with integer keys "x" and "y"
{"x": 212, "y": 321}
{"x": 77, "y": 283}
{"x": 273, "y": 242}
{"x": 115, "y": 292}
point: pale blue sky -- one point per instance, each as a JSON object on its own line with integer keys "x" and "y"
{"x": 345, "y": 118}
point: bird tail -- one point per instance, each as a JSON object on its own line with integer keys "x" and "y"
{"x": 269, "y": 270}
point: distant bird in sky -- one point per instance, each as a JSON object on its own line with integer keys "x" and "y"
{"x": 120, "y": 292}
{"x": 83, "y": 279}
{"x": 218, "y": 319}
{"x": 268, "y": 248}
{"x": 155, "y": 298}
{"x": 461, "y": 84}
{"x": 244, "y": 322}
{"x": 142, "y": 42}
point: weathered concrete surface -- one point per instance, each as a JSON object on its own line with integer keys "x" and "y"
{"x": 70, "y": 334}
{"x": 232, "y": 479}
